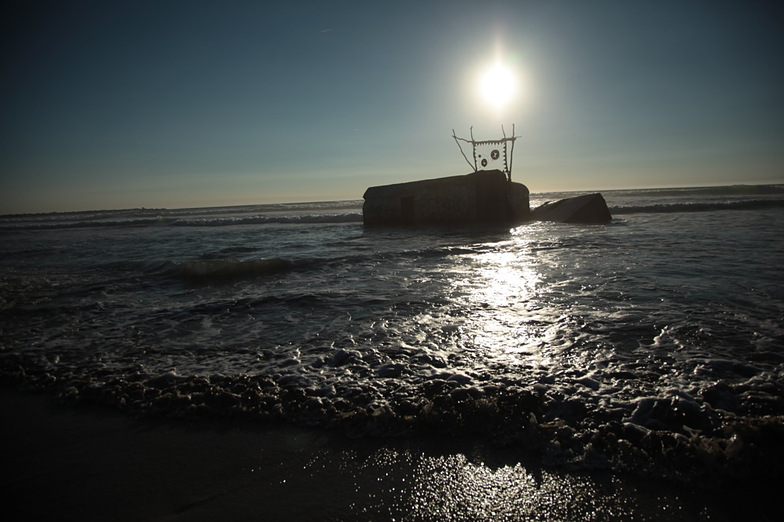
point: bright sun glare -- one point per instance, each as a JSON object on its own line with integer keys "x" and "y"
{"x": 497, "y": 85}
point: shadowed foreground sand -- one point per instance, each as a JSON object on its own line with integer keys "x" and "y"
{"x": 94, "y": 464}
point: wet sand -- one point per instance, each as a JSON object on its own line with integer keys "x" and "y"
{"x": 60, "y": 462}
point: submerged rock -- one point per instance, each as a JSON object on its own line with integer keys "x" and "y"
{"x": 590, "y": 208}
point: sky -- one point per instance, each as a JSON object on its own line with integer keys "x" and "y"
{"x": 128, "y": 104}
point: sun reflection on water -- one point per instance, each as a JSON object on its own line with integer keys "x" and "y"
{"x": 500, "y": 285}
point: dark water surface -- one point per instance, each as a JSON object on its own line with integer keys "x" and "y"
{"x": 654, "y": 344}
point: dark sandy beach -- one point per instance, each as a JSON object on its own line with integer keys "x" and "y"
{"x": 70, "y": 463}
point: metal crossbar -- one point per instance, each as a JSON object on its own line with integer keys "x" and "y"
{"x": 508, "y": 150}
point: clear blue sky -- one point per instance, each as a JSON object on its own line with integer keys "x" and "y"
{"x": 117, "y": 104}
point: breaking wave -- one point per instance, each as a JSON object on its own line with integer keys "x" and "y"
{"x": 222, "y": 269}
{"x": 168, "y": 220}
{"x": 264, "y": 220}
{"x": 668, "y": 208}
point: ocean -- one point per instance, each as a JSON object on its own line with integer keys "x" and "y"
{"x": 652, "y": 345}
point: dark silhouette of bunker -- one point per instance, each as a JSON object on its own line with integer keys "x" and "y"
{"x": 482, "y": 197}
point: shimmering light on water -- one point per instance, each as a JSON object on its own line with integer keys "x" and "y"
{"x": 407, "y": 484}
{"x": 498, "y": 287}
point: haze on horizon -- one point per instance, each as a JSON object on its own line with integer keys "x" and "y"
{"x": 189, "y": 104}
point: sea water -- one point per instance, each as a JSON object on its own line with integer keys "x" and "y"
{"x": 654, "y": 343}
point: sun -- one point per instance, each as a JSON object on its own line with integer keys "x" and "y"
{"x": 497, "y": 85}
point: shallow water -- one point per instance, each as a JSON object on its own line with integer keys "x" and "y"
{"x": 88, "y": 463}
{"x": 654, "y": 343}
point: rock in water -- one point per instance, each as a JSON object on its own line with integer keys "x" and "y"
{"x": 590, "y": 208}
{"x": 483, "y": 197}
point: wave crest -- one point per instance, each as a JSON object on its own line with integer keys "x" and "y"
{"x": 670, "y": 208}
{"x": 222, "y": 269}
